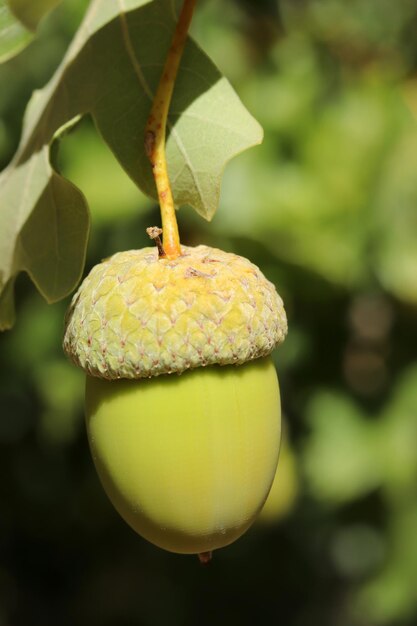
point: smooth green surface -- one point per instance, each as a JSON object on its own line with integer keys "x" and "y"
{"x": 187, "y": 460}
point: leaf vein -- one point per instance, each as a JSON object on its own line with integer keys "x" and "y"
{"x": 131, "y": 52}
{"x": 228, "y": 129}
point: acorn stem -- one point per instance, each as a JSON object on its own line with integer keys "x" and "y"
{"x": 205, "y": 557}
{"x": 155, "y": 132}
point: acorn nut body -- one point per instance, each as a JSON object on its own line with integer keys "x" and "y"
{"x": 187, "y": 460}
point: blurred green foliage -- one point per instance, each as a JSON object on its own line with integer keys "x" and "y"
{"x": 18, "y": 22}
{"x": 327, "y": 207}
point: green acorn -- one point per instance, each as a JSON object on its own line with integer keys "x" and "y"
{"x": 187, "y": 460}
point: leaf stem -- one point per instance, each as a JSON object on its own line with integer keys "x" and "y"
{"x": 155, "y": 132}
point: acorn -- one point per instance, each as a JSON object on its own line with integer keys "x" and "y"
{"x": 182, "y": 397}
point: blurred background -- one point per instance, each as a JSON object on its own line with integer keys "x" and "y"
{"x": 327, "y": 207}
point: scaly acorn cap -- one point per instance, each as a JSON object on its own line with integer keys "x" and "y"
{"x": 137, "y": 315}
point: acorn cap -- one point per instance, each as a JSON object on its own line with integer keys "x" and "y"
{"x": 137, "y": 315}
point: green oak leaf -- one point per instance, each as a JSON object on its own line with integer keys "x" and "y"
{"x": 19, "y": 20}
{"x": 111, "y": 71}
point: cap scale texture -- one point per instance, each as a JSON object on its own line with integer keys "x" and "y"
{"x": 137, "y": 315}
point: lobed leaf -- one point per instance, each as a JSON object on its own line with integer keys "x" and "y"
{"x": 111, "y": 71}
